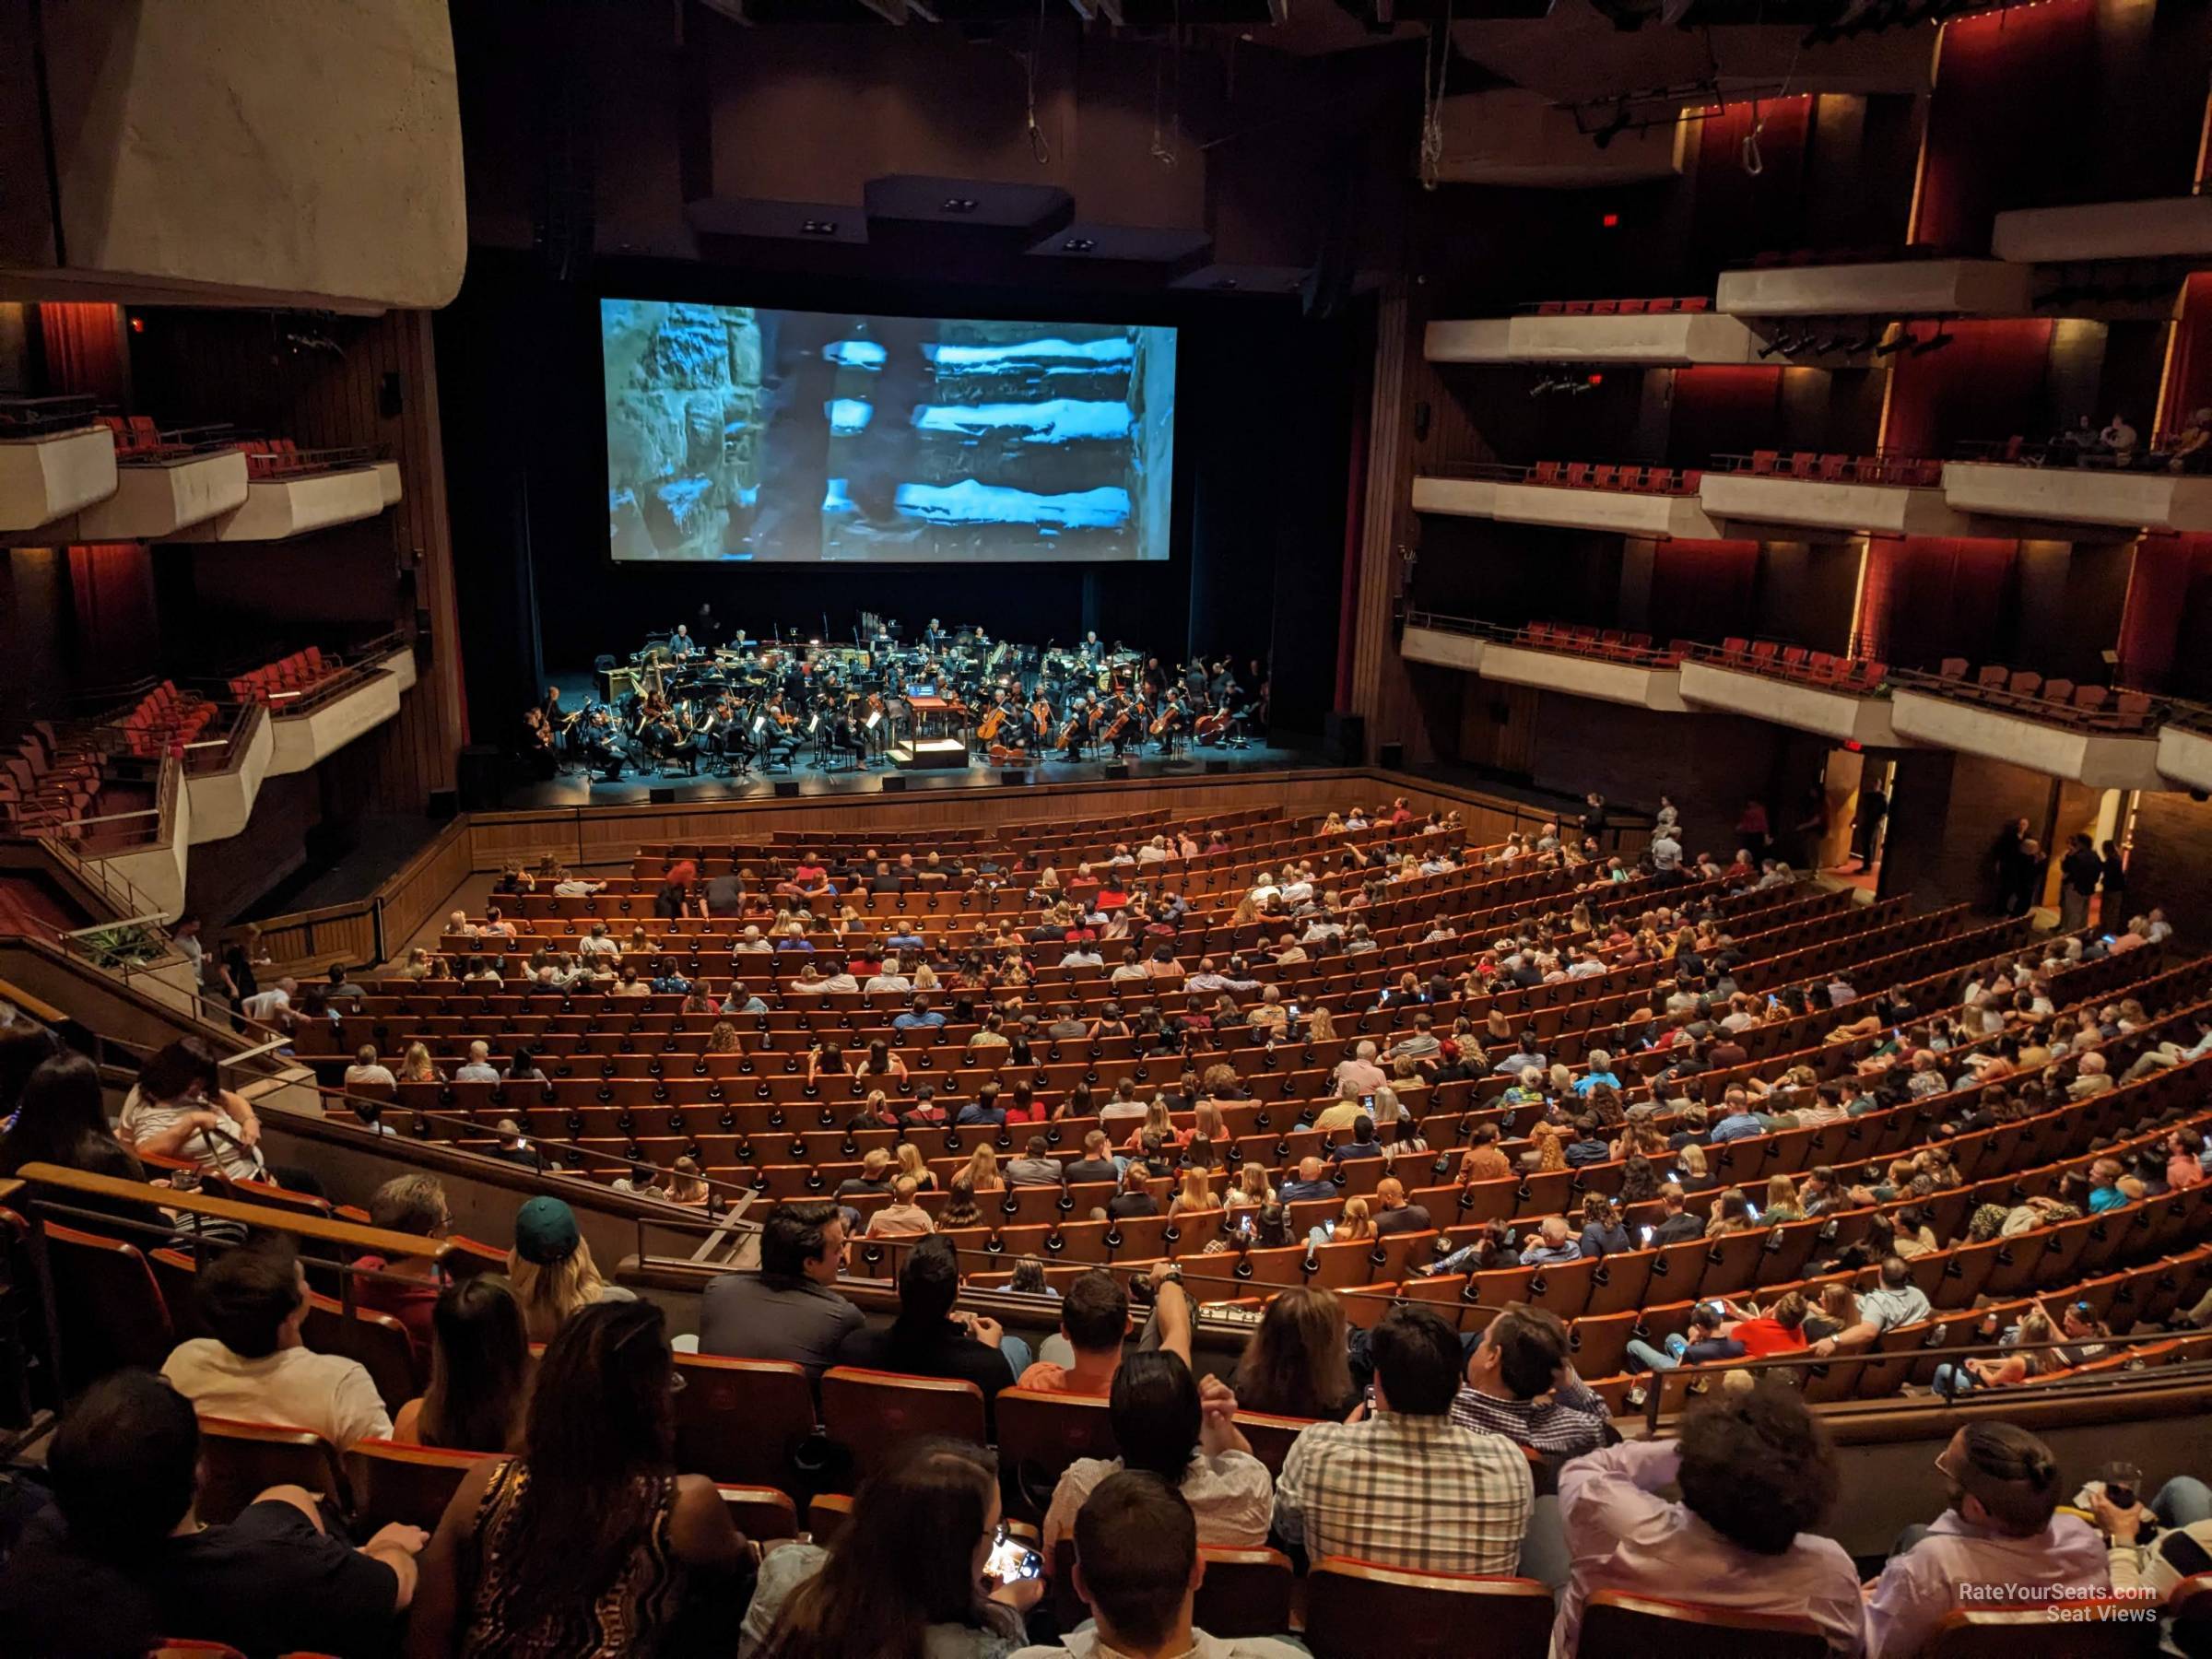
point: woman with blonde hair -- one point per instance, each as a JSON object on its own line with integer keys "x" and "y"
{"x": 1249, "y": 1186}
{"x": 911, "y": 1164}
{"x": 722, "y": 1038}
{"x": 1210, "y": 1124}
{"x": 1158, "y": 1122}
{"x": 982, "y": 1174}
{"x": 551, "y": 1268}
{"x": 1320, "y": 1027}
{"x": 1696, "y": 1176}
{"x": 1782, "y": 1201}
{"x": 414, "y": 1066}
{"x": 685, "y": 1186}
{"x": 1196, "y": 1193}
{"x": 1356, "y": 1226}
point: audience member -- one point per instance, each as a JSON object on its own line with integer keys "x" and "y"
{"x": 1295, "y": 1363}
{"x": 1518, "y": 1384}
{"x": 1756, "y": 1473}
{"x": 590, "y": 1541}
{"x": 930, "y": 1337}
{"x": 479, "y": 1371}
{"x": 551, "y": 1267}
{"x": 790, "y": 1310}
{"x": 1402, "y": 1485}
{"x": 1094, "y": 1319}
{"x": 2000, "y": 1543}
{"x": 405, "y": 1287}
{"x": 121, "y": 1562}
{"x": 255, "y": 1366}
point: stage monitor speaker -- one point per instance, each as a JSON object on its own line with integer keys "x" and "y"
{"x": 1392, "y": 755}
{"x": 1117, "y": 771}
{"x": 1215, "y": 768}
{"x": 661, "y": 797}
{"x": 787, "y": 789}
{"x": 1344, "y": 738}
{"x": 478, "y": 777}
{"x": 894, "y": 782}
{"x": 443, "y": 806}
{"x": 1013, "y": 779}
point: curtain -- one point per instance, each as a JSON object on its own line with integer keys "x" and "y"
{"x": 1926, "y": 597}
{"x": 1988, "y": 382}
{"x": 1701, "y": 590}
{"x": 111, "y": 591}
{"x": 85, "y": 350}
{"x": 1736, "y": 215}
{"x": 2189, "y": 366}
{"x": 2169, "y": 600}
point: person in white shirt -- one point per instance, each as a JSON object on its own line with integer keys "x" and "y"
{"x": 478, "y": 1068}
{"x": 367, "y": 1069}
{"x": 597, "y": 943}
{"x": 1667, "y": 851}
{"x": 1359, "y": 1075}
{"x": 576, "y": 887}
{"x": 1154, "y": 852}
{"x": 841, "y": 980}
{"x": 255, "y": 1367}
{"x": 460, "y": 927}
{"x": 273, "y": 1006}
{"x": 889, "y": 979}
{"x": 178, "y": 1109}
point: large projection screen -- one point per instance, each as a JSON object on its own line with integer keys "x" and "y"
{"x": 739, "y": 432}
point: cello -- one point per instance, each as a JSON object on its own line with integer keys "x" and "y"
{"x": 992, "y": 722}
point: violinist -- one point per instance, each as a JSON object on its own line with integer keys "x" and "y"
{"x": 780, "y": 731}
{"x": 601, "y": 742}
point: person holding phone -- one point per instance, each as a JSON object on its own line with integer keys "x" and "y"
{"x": 910, "y": 1573}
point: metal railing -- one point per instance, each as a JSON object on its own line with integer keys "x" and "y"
{"x": 209, "y": 757}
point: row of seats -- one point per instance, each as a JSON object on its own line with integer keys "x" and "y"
{"x": 1690, "y": 303}
{"x": 162, "y": 722}
{"x": 47, "y": 781}
{"x": 1859, "y": 675}
{"x": 1907, "y": 471}
{"x": 1241, "y": 827}
{"x": 1638, "y": 480}
{"x": 2025, "y": 692}
{"x": 286, "y": 677}
{"x": 1613, "y": 643}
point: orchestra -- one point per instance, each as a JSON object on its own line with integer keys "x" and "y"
{"x": 694, "y": 703}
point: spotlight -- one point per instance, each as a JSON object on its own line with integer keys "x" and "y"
{"x": 1934, "y": 342}
{"x": 1078, "y": 244}
{"x": 1895, "y": 342}
{"x": 1826, "y": 344}
{"x": 818, "y": 226}
{"x": 958, "y": 205}
{"x": 1541, "y": 387}
{"x": 1225, "y": 283}
{"x": 1772, "y": 346}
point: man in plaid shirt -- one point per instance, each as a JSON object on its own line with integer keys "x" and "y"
{"x": 1405, "y": 1486}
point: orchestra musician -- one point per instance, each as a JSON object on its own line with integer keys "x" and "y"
{"x": 600, "y": 740}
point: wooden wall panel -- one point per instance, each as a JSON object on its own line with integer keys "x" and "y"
{"x": 1381, "y": 688}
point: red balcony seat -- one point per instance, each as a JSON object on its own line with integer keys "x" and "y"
{"x": 1765, "y": 461}
{"x": 2058, "y": 691}
{"x": 1602, "y": 477}
{"x": 2132, "y": 704}
{"x": 1578, "y": 474}
{"x": 1802, "y": 464}
{"x": 1735, "y": 647}
{"x": 1629, "y": 478}
{"x": 1952, "y": 669}
{"x": 1690, "y": 480}
{"x": 1659, "y": 480}
{"x": 1764, "y": 651}
{"x": 1693, "y": 302}
{"x": 1993, "y": 676}
{"x": 1550, "y": 308}
{"x": 1632, "y": 308}
{"x": 2090, "y": 697}
{"x": 1578, "y": 308}
{"x": 1835, "y": 467}
{"x": 1547, "y": 472}
{"x": 1604, "y": 308}
{"x": 2025, "y": 682}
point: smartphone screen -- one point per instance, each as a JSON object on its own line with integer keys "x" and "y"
{"x": 1650, "y": 1233}
{"x": 1010, "y": 1558}
{"x": 1329, "y": 1229}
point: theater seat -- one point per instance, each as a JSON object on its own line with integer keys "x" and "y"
{"x": 411, "y": 1484}
{"x": 1245, "y": 1592}
{"x": 760, "y": 1512}
{"x": 871, "y": 1414}
{"x": 240, "y": 1461}
{"x": 745, "y": 1422}
{"x": 1040, "y": 1433}
{"x": 1618, "y": 1626}
{"x": 1358, "y": 1610}
{"x": 826, "y": 1515}
{"x": 2032, "y": 1633}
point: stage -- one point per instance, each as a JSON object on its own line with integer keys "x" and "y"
{"x": 575, "y": 788}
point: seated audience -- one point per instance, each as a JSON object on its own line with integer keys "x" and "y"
{"x": 255, "y": 1366}
{"x": 1137, "y": 1567}
{"x": 1094, "y": 1320}
{"x": 904, "y": 1574}
{"x": 479, "y": 1371}
{"x": 589, "y": 1542}
{"x": 406, "y": 1287}
{"x": 1168, "y": 1424}
{"x": 120, "y": 1562}
{"x": 551, "y": 1267}
{"x": 1756, "y": 1473}
{"x": 1404, "y": 1486}
{"x": 790, "y": 1310}
{"x": 1295, "y": 1363}
{"x": 2001, "y": 1541}
{"x": 930, "y": 1337}
{"x": 1518, "y": 1384}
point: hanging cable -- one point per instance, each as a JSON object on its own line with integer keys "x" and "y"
{"x": 1436, "y": 67}
{"x": 1038, "y": 147}
{"x": 1163, "y": 148}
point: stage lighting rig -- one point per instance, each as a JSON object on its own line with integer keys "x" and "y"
{"x": 1934, "y": 342}
{"x": 1895, "y": 342}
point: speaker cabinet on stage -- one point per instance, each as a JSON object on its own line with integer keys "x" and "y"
{"x": 1216, "y": 768}
{"x": 1345, "y": 737}
{"x": 661, "y": 797}
{"x": 478, "y": 776}
{"x": 787, "y": 789}
{"x": 1392, "y": 755}
{"x": 894, "y": 784}
{"x": 1117, "y": 771}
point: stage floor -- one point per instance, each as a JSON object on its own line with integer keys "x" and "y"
{"x": 576, "y": 789}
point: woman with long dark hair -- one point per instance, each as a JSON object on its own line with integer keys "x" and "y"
{"x": 1167, "y": 1423}
{"x": 584, "y": 1547}
{"x": 62, "y": 1120}
{"x": 904, "y": 1578}
{"x": 479, "y": 1371}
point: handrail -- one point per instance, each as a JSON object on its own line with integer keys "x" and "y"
{"x": 381, "y": 1240}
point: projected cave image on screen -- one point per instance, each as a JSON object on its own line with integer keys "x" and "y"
{"x": 737, "y": 432}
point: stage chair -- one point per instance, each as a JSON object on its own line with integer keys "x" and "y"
{"x": 1620, "y": 1625}
{"x": 1355, "y": 1610}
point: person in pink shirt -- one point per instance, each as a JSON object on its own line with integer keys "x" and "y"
{"x": 2002, "y": 1536}
{"x": 2184, "y": 1159}
{"x": 1756, "y": 1471}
